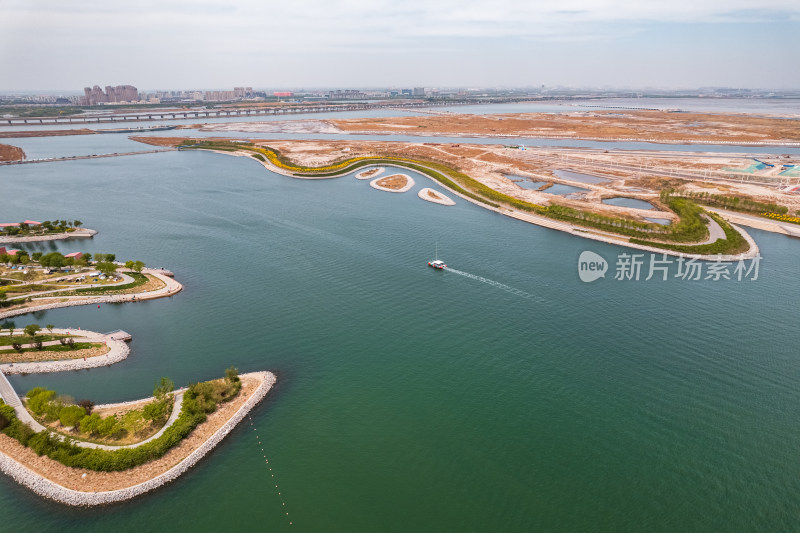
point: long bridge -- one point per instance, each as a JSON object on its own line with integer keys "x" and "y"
{"x": 186, "y": 114}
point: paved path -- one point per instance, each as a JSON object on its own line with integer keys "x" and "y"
{"x": 176, "y": 411}
{"x": 763, "y": 223}
{"x": 125, "y": 279}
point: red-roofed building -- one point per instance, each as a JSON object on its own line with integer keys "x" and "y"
{"x": 13, "y": 252}
{"x": 74, "y": 255}
{"x": 32, "y": 223}
{"x": 2, "y": 250}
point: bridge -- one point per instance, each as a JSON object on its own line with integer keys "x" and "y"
{"x": 188, "y": 114}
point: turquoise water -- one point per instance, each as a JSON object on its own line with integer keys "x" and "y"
{"x": 623, "y": 201}
{"x": 417, "y": 400}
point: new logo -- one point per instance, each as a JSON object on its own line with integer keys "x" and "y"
{"x": 591, "y": 266}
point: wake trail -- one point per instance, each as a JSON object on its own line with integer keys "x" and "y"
{"x": 493, "y": 283}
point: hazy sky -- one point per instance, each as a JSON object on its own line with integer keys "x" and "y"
{"x": 49, "y": 44}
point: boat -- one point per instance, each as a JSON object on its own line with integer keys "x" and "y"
{"x": 437, "y": 263}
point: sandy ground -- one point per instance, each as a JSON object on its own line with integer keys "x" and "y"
{"x": 659, "y": 126}
{"x": 104, "y": 481}
{"x": 394, "y": 182}
{"x": 11, "y": 153}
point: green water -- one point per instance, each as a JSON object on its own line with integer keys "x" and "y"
{"x": 415, "y": 400}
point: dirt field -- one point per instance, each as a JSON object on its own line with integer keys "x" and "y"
{"x": 45, "y": 133}
{"x": 11, "y": 153}
{"x": 394, "y": 182}
{"x": 659, "y": 126}
{"x": 103, "y": 481}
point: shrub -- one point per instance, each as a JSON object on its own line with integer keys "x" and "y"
{"x": 71, "y": 415}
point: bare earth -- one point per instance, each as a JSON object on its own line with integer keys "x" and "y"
{"x": 394, "y": 182}
{"x": 11, "y": 153}
{"x": 105, "y": 481}
{"x": 658, "y": 126}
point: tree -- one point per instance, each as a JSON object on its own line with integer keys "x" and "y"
{"x": 88, "y": 406}
{"x": 163, "y": 387}
{"x": 37, "y": 255}
{"x": 38, "y": 399}
{"x": 87, "y": 256}
{"x": 77, "y": 223}
{"x": 50, "y": 328}
{"x": 108, "y": 426}
{"x": 53, "y": 259}
{"x": 71, "y": 415}
{"x": 110, "y": 257}
{"x": 3, "y": 298}
{"x": 136, "y": 266}
{"x": 155, "y": 411}
{"x": 10, "y": 326}
{"x": 32, "y": 329}
{"x": 106, "y": 268}
{"x": 89, "y": 423}
{"x": 232, "y": 374}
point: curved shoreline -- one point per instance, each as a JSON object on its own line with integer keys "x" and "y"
{"x": 79, "y": 234}
{"x": 117, "y": 351}
{"x": 538, "y": 220}
{"x": 362, "y": 175}
{"x": 441, "y": 199}
{"x": 170, "y": 288}
{"x": 53, "y": 491}
{"x": 408, "y": 185}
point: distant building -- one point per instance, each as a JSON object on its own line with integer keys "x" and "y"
{"x": 112, "y": 95}
{"x": 283, "y": 94}
{"x": 12, "y": 252}
{"x": 74, "y": 255}
{"x": 348, "y": 94}
{"x": 419, "y": 91}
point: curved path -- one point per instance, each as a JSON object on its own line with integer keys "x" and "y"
{"x": 125, "y": 279}
{"x": 170, "y": 288}
{"x": 49, "y": 489}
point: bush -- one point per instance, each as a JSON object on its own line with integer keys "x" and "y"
{"x": 66, "y": 453}
{"x": 71, "y": 415}
{"x": 38, "y": 400}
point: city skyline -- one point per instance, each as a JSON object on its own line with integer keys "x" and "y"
{"x": 579, "y": 43}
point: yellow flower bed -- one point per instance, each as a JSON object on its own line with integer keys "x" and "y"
{"x": 782, "y": 218}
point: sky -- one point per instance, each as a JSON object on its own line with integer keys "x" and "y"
{"x": 152, "y": 44}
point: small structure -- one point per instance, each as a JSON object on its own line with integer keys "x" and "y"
{"x": 2, "y": 250}
{"x": 12, "y": 252}
{"x": 74, "y": 255}
{"x": 119, "y": 335}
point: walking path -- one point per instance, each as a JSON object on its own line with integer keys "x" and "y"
{"x": 170, "y": 288}
{"x": 125, "y": 280}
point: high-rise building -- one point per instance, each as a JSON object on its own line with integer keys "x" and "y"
{"x": 120, "y": 93}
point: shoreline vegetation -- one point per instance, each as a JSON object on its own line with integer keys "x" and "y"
{"x": 84, "y": 476}
{"x": 687, "y": 236}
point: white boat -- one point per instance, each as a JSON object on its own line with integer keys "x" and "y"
{"x": 437, "y": 263}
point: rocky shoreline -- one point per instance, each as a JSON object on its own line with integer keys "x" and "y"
{"x": 53, "y": 491}
{"x": 83, "y": 233}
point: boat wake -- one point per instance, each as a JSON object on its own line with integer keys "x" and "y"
{"x": 493, "y": 283}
